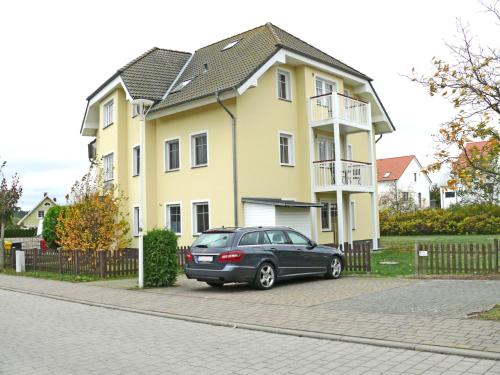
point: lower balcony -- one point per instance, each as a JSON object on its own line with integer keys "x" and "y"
{"x": 354, "y": 176}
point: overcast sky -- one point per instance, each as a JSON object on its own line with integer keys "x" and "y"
{"x": 53, "y": 54}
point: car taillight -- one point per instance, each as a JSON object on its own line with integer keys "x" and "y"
{"x": 231, "y": 256}
{"x": 189, "y": 257}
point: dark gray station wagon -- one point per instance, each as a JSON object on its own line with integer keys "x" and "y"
{"x": 259, "y": 255}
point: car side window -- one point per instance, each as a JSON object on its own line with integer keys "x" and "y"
{"x": 249, "y": 239}
{"x": 297, "y": 239}
{"x": 277, "y": 237}
{"x": 263, "y": 239}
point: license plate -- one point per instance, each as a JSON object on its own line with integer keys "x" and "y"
{"x": 205, "y": 258}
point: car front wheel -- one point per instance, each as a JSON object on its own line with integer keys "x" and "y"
{"x": 266, "y": 276}
{"x": 334, "y": 268}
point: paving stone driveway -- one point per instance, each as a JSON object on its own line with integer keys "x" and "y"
{"x": 429, "y": 312}
{"x": 44, "y": 336}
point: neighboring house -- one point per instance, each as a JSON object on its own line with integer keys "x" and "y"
{"x": 448, "y": 196}
{"x": 406, "y": 173}
{"x": 33, "y": 217}
{"x": 304, "y": 129}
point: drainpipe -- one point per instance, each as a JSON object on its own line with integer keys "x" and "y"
{"x": 235, "y": 168}
{"x": 379, "y": 138}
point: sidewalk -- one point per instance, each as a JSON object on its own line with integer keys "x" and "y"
{"x": 468, "y": 337}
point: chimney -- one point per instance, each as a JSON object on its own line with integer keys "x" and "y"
{"x": 45, "y": 194}
{"x": 54, "y": 199}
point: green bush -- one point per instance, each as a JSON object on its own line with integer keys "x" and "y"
{"x": 49, "y": 226}
{"x": 160, "y": 258}
{"x": 471, "y": 219}
{"x": 20, "y": 232}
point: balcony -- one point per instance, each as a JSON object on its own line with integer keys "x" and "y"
{"x": 333, "y": 107}
{"x": 356, "y": 176}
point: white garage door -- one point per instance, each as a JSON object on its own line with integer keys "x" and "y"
{"x": 296, "y": 218}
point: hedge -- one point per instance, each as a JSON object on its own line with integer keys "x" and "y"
{"x": 49, "y": 226}
{"x": 20, "y": 232}
{"x": 160, "y": 258}
{"x": 473, "y": 219}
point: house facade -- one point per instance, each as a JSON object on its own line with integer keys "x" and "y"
{"x": 405, "y": 173}
{"x": 33, "y": 218}
{"x": 257, "y": 129}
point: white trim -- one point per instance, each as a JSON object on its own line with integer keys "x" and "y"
{"x": 102, "y": 158}
{"x": 352, "y": 214}
{"x": 291, "y": 148}
{"x": 109, "y": 87}
{"x": 174, "y": 83}
{"x": 165, "y": 164}
{"x": 191, "y": 156}
{"x": 54, "y": 203}
{"x": 105, "y": 114}
{"x": 289, "y": 91}
{"x": 167, "y": 218}
{"x": 134, "y": 224}
{"x": 133, "y": 160}
{"x": 321, "y": 137}
{"x": 348, "y": 150}
{"x": 323, "y": 78}
{"x": 193, "y": 221}
{"x": 277, "y": 58}
{"x": 329, "y": 202}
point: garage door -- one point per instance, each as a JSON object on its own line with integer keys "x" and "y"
{"x": 296, "y": 218}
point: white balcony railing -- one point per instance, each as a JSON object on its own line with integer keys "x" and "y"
{"x": 337, "y": 107}
{"x": 353, "y": 174}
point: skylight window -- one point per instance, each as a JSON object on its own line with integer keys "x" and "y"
{"x": 387, "y": 174}
{"x": 231, "y": 44}
{"x": 181, "y": 85}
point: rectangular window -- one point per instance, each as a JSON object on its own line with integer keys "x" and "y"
{"x": 449, "y": 194}
{"x": 201, "y": 217}
{"x": 352, "y": 213}
{"x": 349, "y": 152}
{"x": 137, "y": 222}
{"x": 325, "y": 216}
{"x": 420, "y": 200}
{"x": 324, "y": 87}
{"x": 41, "y": 214}
{"x": 107, "y": 163}
{"x": 172, "y": 155}
{"x": 174, "y": 218}
{"x": 284, "y": 90}
{"x": 108, "y": 114}
{"x": 199, "y": 150}
{"x": 415, "y": 177}
{"x": 405, "y": 196}
{"x": 286, "y": 149}
{"x": 136, "y": 160}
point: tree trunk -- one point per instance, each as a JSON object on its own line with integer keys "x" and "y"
{"x": 2, "y": 247}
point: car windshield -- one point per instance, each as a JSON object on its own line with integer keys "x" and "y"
{"x": 209, "y": 240}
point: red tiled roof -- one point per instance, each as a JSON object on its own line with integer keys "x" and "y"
{"x": 391, "y": 169}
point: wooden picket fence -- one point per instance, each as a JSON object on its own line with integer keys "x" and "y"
{"x": 357, "y": 256}
{"x": 438, "y": 258}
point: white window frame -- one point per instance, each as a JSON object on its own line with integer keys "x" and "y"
{"x": 106, "y": 179}
{"x": 291, "y": 148}
{"x": 325, "y": 101}
{"x": 107, "y": 117}
{"x": 192, "y": 149}
{"x": 329, "y": 208}
{"x": 136, "y": 220}
{"x": 348, "y": 152}
{"x": 331, "y": 143}
{"x": 167, "y": 215}
{"x": 352, "y": 214}
{"x": 166, "y": 154}
{"x": 193, "y": 215}
{"x": 136, "y": 166}
{"x": 288, "y": 84}
{"x": 42, "y": 212}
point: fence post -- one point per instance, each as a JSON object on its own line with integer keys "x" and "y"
{"x": 35, "y": 253}
{"x": 77, "y": 262}
{"x": 417, "y": 246}
{"x": 496, "y": 254}
{"x": 102, "y": 264}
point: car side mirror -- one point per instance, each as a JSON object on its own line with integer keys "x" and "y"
{"x": 312, "y": 245}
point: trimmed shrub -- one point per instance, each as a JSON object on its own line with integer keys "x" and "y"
{"x": 49, "y": 226}
{"x": 473, "y": 219}
{"x": 160, "y": 258}
{"x": 20, "y": 232}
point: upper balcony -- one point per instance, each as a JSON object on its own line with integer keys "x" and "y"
{"x": 333, "y": 107}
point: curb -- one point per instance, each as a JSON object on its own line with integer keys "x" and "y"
{"x": 282, "y": 331}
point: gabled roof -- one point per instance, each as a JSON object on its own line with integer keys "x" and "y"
{"x": 391, "y": 169}
{"x": 228, "y": 69}
{"x": 36, "y": 207}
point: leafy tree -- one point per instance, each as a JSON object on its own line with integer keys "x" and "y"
{"x": 397, "y": 201}
{"x": 94, "y": 218}
{"x": 435, "y": 195}
{"x": 482, "y": 188}
{"x": 471, "y": 82}
{"x": 50, "y": 220}
{"x": 9, "y": 197}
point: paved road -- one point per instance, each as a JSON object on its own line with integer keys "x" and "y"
{"x": 45, "y": 336}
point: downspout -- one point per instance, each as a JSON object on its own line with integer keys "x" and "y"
{"x": 234, "y": 149}
{"x": 379, "y": 138}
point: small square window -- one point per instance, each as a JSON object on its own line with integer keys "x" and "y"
{"x": 108, "y": 114}
{"x": 283, "y": 81}
{"x": 41, "y": 214}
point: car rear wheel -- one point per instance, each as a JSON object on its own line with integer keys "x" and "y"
{"x": 215, "y": 284}
{"x": 334, "y": 268}
{"x": 266, "y": 276}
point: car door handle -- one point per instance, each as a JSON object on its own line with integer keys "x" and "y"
{"x": 272, "y": 248}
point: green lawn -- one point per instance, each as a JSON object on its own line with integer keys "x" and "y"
{"x": 62, "y": 277}
{"x": 493, "y": 314}
{"x": 408, "y": 242}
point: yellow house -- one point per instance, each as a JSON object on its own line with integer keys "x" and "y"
{"x": 33, "y": 217}
{"x": 257, "y": 129}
